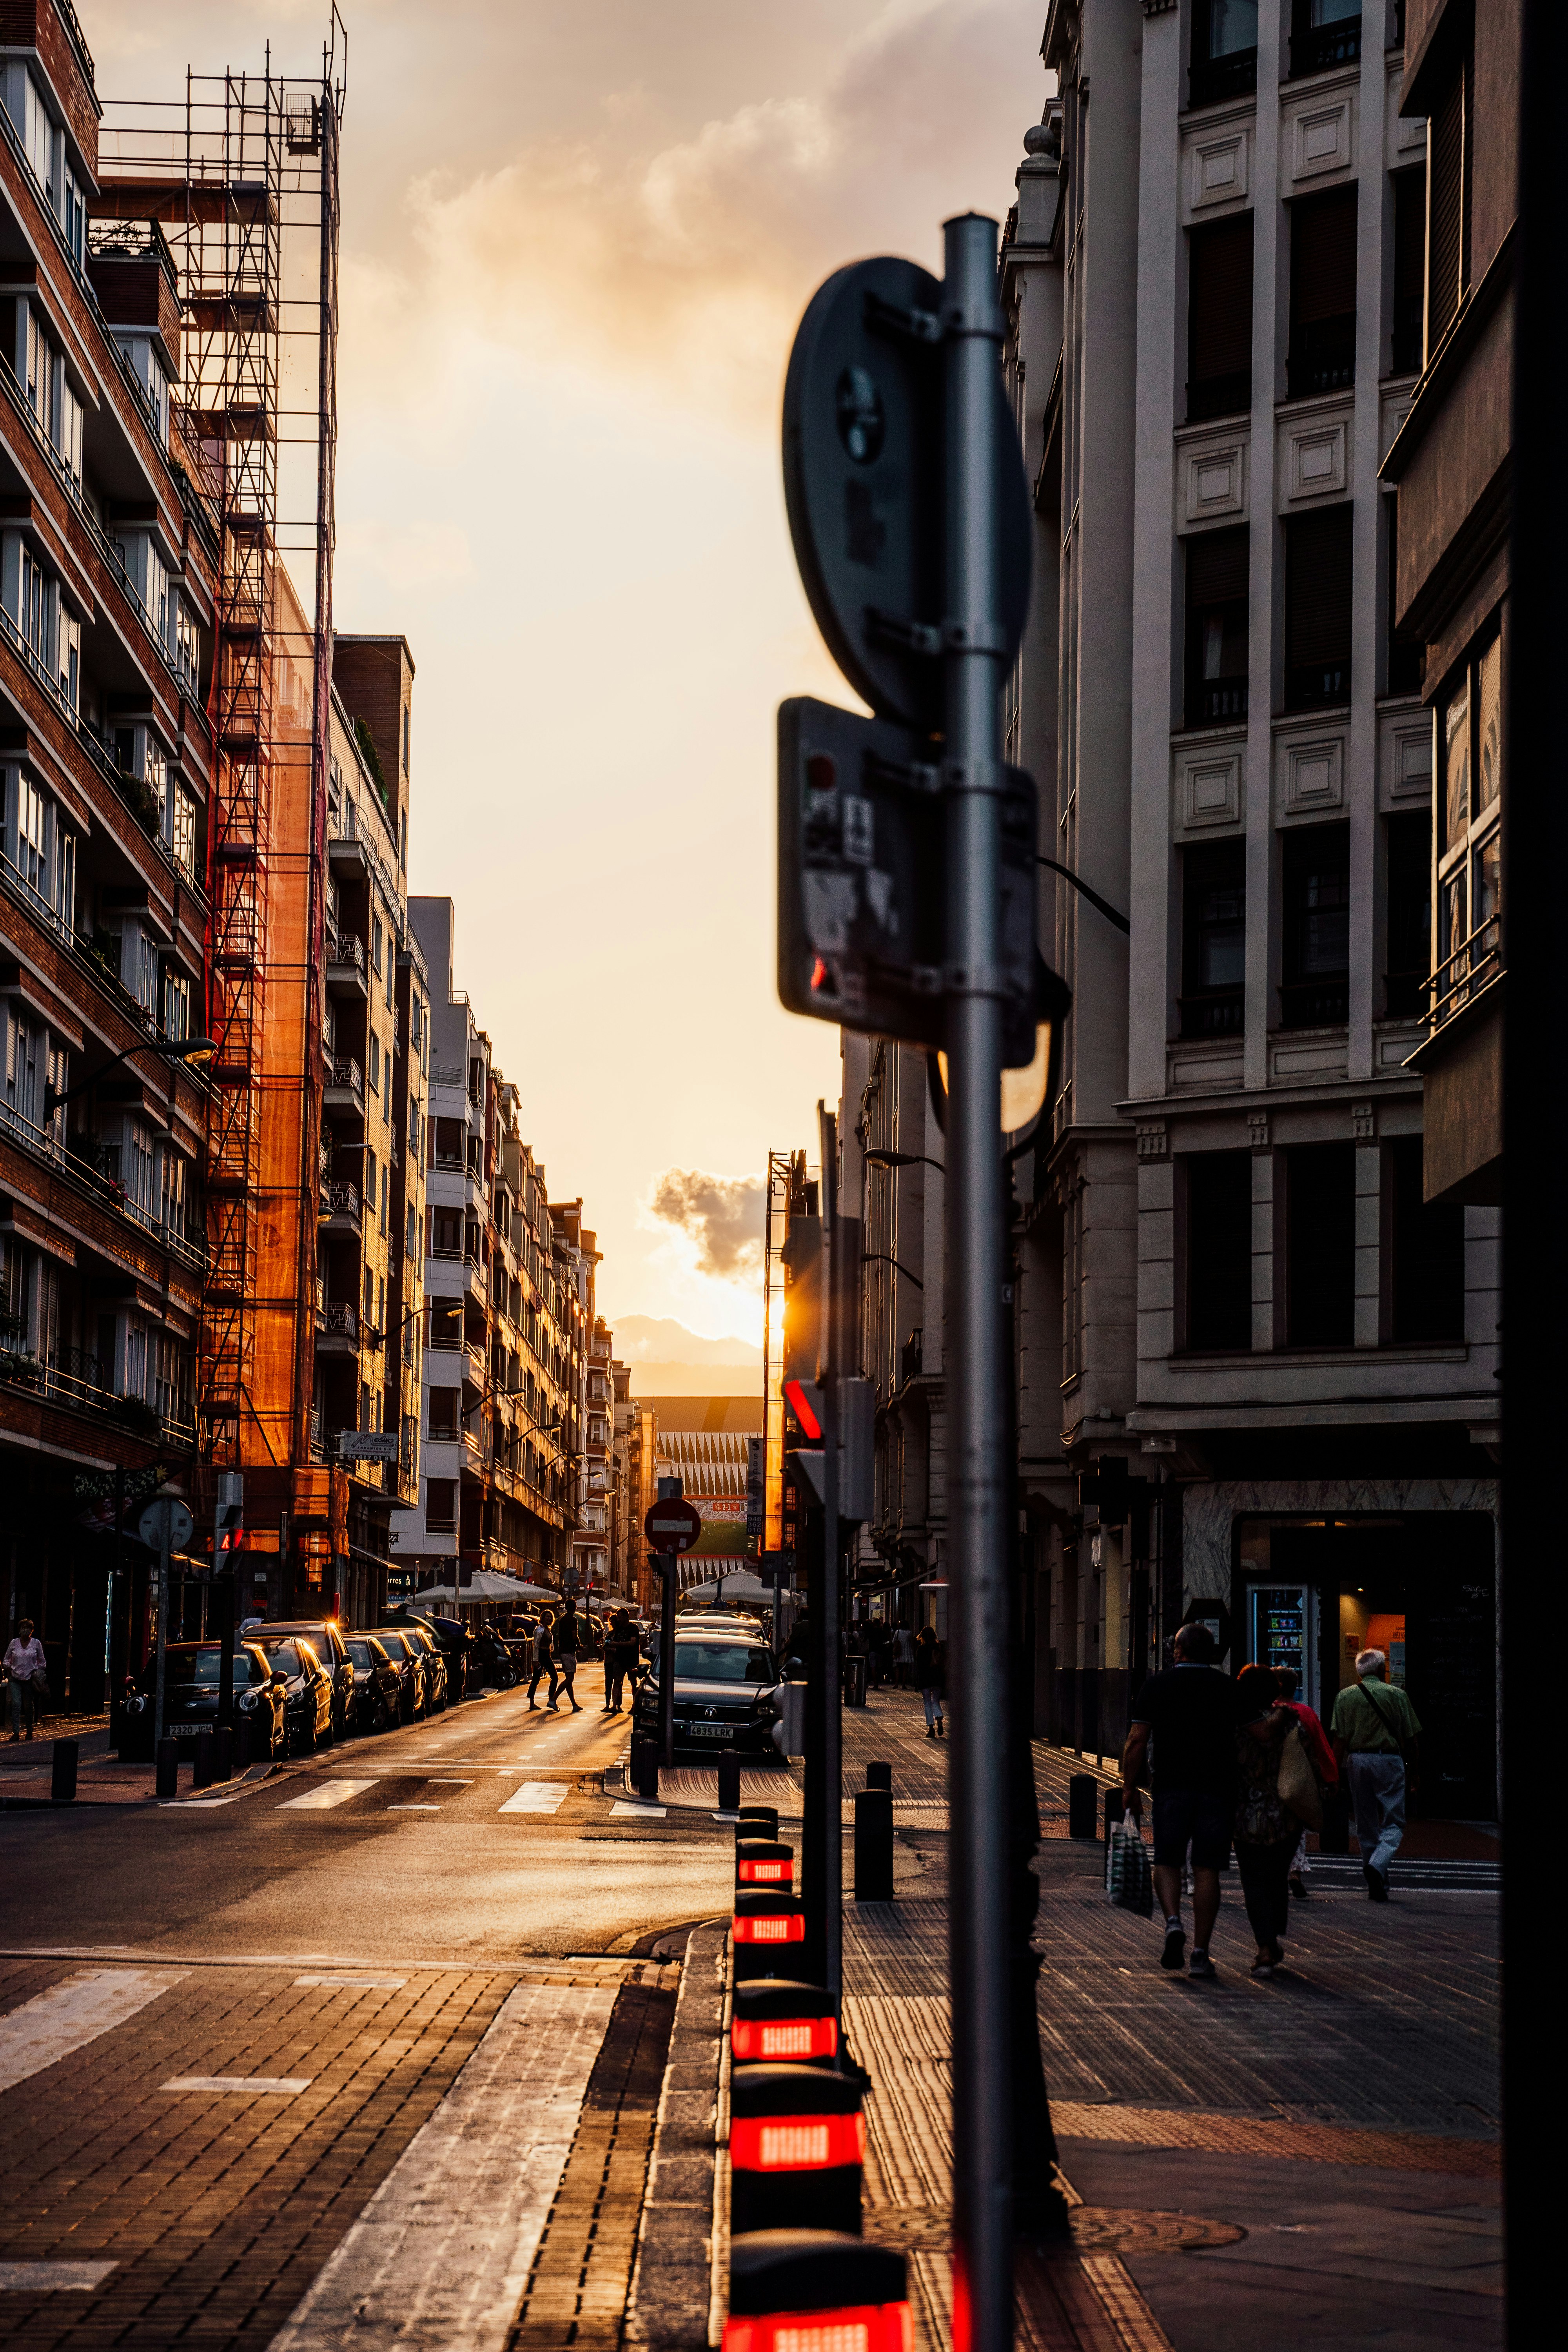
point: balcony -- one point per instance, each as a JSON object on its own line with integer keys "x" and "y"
{"x": 1322, "y": 356}
{"x": 1315, "y": 1003}
{"x": 93, "y": 1169}
{"x": 1319, "y": 685}
{"x": 1464, "y": 974}
{"x": 72, "y": 1378}
{"x": 1321, "y": 49}
{"x": 338, "y": 1334}
{"x": 343, "y": 1093}
{"x": 1215, "y": 702}
{"x": 1212, "y": 80}
{"x": 1215, "y": 1013}
{"x": 346, "y": 858}
{"x": 346, "y": 968}
{"x": 341, "y": 1209}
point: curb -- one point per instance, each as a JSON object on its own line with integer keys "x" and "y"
{"x": 670, "y": 2301}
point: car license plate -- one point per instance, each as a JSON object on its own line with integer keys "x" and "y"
{"x": 185, "y": 1730}
{"x": 711, "y": 1730}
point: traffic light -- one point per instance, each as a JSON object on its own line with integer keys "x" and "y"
{"x": 803, "y": 1289}
{"x": 804, "y": 1400}
{"x": 228, "y": 1522}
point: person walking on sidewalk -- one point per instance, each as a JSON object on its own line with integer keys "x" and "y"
{"x": 1265, "y": 1829}
{"x": 931, "y": 1674}
{"x": 903, "y": 1656}
{"x": 24, "y": 1660}
{"x": 1193, "y": 1713}
{"x": 620, "y": 1660}
{"x": 544, "y": 1660}
{"x": 1315, "y": 1739}
{"x": 568, "y": 1634}
{"x": 1377, "y": 1738}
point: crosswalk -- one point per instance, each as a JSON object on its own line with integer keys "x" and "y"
{"x": 537, "y": 1797}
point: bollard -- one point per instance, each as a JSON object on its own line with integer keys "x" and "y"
{"x": 223, "y": 1752}
{"x": 168, "y": 1783}
{"x": 763, "y": 1861}
{"x": 645, "y": 1767}
{"x": 1083, "y": 1806}
{"x": 874, "y": 1846}
{"x": 768, "y": 1926}
{"x": 757, "y": 1821}
{"x": 201, "y": 1778}
{"x": 880, "y": 1776}
{"x": 776, "y": 2021}
{"x": 62, "y": 1774}
{"x": 243, "y": 1732}
{"x": 815, "y": 2291}
{"x": 797, "y": 2142}
{"x": 730, "y": 1781}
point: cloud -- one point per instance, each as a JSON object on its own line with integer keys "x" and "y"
{"x": 721, "y": 1216}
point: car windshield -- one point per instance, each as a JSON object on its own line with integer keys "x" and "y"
{"x": 198, "y": 1664}
{"x": 363, "y": 1652}
{"x": 723, "y": 1661}
{"x": 285, "y": 1657}
{"x": 395, "y": 1644}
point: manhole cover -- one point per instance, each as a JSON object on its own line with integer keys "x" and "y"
{"x": 1095, "y": 2229}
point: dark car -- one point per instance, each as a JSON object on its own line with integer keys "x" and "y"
{"x": 307, "y": 1694}
{"x": 451, "y": 1638}
{"x": 326, "y": 1639}
{"x": 496, "y": 1667}
{"x": 378, "y": 1689}
{"x": 435, "y": 1664}
{"x": 408, "y": 1659}
{"x": 190, "y": 1672}
{"x": 724, "y": 1685}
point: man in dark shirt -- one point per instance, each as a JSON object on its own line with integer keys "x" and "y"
{"x": 1193, "y": 1712}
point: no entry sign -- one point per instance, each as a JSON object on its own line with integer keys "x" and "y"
{"x": 673, "y": 1526}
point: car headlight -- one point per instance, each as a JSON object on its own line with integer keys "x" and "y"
{"x": 246, "y": 1702}
{"x": 137, "y": 1706}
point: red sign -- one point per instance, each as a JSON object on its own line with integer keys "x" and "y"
{"x": 673, "y": 1527}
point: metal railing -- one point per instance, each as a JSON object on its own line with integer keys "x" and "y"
{"x": 345, "y": 1074}
{"x": 340, "y": 1199}
{"x": 1212, "y": 79}
{"x": 342, "y": 1320}
{"x": 1219, "y": 1012}
{"x": 1323, "y": 357}
{"x": 71, "y": 1377}
{"x": 1314, "y": 1004}
{"x": 97, "y": 1177}
{"x": 1319, "y": 48}
{"x": 1214, "y": 701}
{"x": 1473, "y": 964}
{"x": 346, "y": 948}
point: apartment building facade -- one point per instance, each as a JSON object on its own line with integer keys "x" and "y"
{"x": 1214, "y": 336}
{"x": 108, "y": 561}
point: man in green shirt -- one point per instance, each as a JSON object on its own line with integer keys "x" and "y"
{"x": 1376, "y": 1737}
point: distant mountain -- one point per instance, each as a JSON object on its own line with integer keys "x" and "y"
{"x": 655, "y": 1379}
{"x": 648, "y": 1339}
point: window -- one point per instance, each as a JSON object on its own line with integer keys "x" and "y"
{"x": 35, "y": 592}
{"x": 173, "y": 1189}
{"x": 1324, "y": 34}
{"x": 27, "y": 834}
{"x": 1224, "y": 50}
{"x": 445, "y": 1323}
{"x": 441, "y": 1506}
{"x": 185, "y": 654}
{"x": 68, "y": 657}
{"x": 448, "y": 1143}
{"x": 182, "y": 821}
{"x": 1409, "y": 271}
{"x": 369, "y": 1296}
{"x": 1315, "y": 992}
{"x": 1319, "y": 1244}
{"x": 376, "y": 944}
{"x": 1425, "y": 1242}
{"x": 1318, "y": 572}
{"x": 444, "y": 1409}
{"x": 170, "y": 1379}
{"x": 1213, "y": 939}
{"x": 1323, "y": 293}
{"x": 1470, "y": 856}
{"x": 176, "y": 1005}
{"x": 1217, "y": 627}
{"x": 135, "y": 1380}
{"x": 40, "y": 366}
{"x": 408, "y": 722}
{"x": 22, "y": 1104}
{"x": 446, "y": 1232}
{"x": 1219, "y": 317}
{"x": 138, "y": 1169}
{"x": 385, "y": 1182}
{"x": 375, "y": 1063}
{"x": 1448, "y": 149}
{"x": 1407, "y": 656}
{"x": 1408, "y": 846}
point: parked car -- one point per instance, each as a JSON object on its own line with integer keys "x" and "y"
{"x": 495, "y": 1667}
{"x": 308, "y": 1694}
{"x": 378, "y": 1689}
{"x": 406, "y": 1656}
{"x": 434, "y": 1661}
{"x": 326, "y": 1639}
{"x": 452, "y": 1639}
{"x": 191, "y": 1673}
{"x": 724, "y": 1686}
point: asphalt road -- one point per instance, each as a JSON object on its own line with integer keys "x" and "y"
{"x": 480, "y": 1838}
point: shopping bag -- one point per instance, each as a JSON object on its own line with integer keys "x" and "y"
{"x": 1298, "y": 1790}
{"x": 1129, "y": 1883}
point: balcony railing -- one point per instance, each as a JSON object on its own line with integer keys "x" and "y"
{"x": 347, "y": 1076}
{"x": 342, "y": 1320}
{"x": 1216, "y": 701}
{"x": 1323, "y": 357}
{"x": 1219, "y": 395}
{"x": 1319, "y": 48}
{"x": 1459, "y": 976}
{"x": 347, "y": 951}
{"x": 341, "y": 1199}
{"x": 97, "y": 1172}
{"x": 1314, "y": 1004}
{"x": 70, "y": 1375}
{"x": 1317, "y": 685}
{"x": 1215, "y": 1013}
{"x": 1211, "y": 80}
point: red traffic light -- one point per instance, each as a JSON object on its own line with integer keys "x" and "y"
{"x": 798, "y": 1396}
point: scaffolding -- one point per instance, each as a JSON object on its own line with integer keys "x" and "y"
{"x": 242, "y": 177}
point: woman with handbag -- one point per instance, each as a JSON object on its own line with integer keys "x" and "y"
{"x": 1315, "y": 1740}
{"x": 25, "y": 1666}
{"x": 1269, "y": 1752}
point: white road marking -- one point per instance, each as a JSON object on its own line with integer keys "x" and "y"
{"x": 53, "y": 2278}
{"x": 378, "y": 1984}
{"x": 626, "y": 1805}
{"x": 435, "y": 1783}
{"x": 536, "y": 1797}
{"x": 441, "y": 2254}
{"x": 65, "y": 2017}
{"x": 277, "y": 2086}
{"x": 414, "y": 1809}
{"x": 330, "y": 1792}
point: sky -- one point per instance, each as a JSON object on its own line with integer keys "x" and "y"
{"x": 576, "y": 241}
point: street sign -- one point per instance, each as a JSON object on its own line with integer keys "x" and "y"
{"x": 863, "y": 869}
{"x": 673, "y": 1526}
{"x": 367, "y": 1445}
{"x": 165, "y": 1523}
{"x": 864, "y": 445}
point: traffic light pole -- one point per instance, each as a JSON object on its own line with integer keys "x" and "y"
{"x": 975, "y": 647}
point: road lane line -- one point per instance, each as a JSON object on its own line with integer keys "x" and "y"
{"x": 441, "y": 2254}
{"x": 53, "y": 2278}
{"x": 68, "y": 2015}
{"x": 330, "y": 1792}
{"x": 277, "y": 2086}
{"x": 537, "y": 1797}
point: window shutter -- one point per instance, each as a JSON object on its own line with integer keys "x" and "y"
{"x": 1318, "y": 588}
{"x": 1216, "y": 568}
{"x": 1219, "y": 299}
{"x": 1446, "y": 238}
{"x": 1322, "y": 257}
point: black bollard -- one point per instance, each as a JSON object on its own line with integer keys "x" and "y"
{"x": 242, "y": 1740}
{"x": 223, "y": 1752}
{"x": 1083, "y": 1806}
{"x": 830, "y": 2289}
{"x": 168, "y": 1768}
{"x": 62, "y": 1775}
{"x": 645, "y": 1767}
{"x": 880, "y": 1776}
{"x": 728, "y": 1781}
{"x": 798, "y": 2141}
{"x": 874, "y": 1846}
{"x": 757, "y": 1821}
{"x": 763, "y": 1861}
{"x": 201, "y": 1778}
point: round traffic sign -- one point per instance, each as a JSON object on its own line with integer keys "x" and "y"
{"x": 674, "y": 1525}
{"x": 166, "y": 1512}
{"x": 865, "y": 463}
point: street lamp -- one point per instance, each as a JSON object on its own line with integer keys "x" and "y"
{"x": 868, "y": 1257}
{"x": 191, "y": 1049}
{"x": 880, "y": 1159}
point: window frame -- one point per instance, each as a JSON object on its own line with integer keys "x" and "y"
{"x": 1468, "y": 966}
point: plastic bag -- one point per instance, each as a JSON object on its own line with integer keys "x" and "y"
{"x": 1128, "y": 1882}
